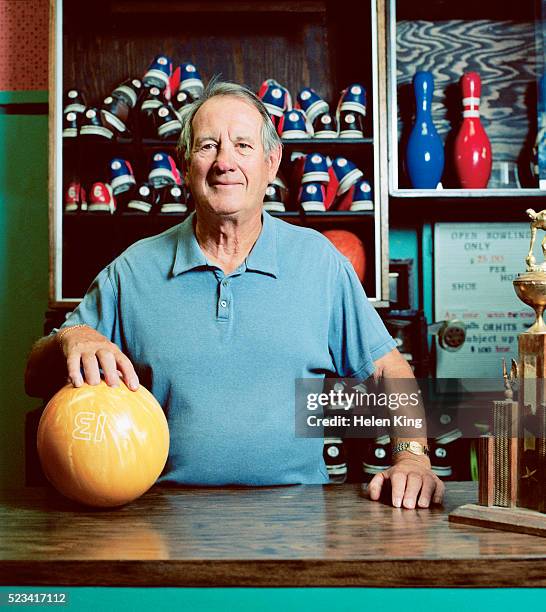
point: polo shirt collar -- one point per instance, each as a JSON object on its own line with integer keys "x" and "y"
{"x": 262, "y": 257}
{"x": 188, "y": 252}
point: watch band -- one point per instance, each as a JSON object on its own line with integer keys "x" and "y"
{"x": 413, "y": 447}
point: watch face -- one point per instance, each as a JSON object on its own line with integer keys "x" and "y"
{"x": 415, "y": 447}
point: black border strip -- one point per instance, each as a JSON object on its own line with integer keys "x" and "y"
{"x": 24, "y": 108}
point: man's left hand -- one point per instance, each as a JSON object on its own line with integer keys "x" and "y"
{"x": 412, "y": 483}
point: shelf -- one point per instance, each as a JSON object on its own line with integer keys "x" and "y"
{"x": 153, "y": 143}
{"x": 297, "y": 42}
{"x": 335, "y": 215}
{"x": 403, "y": 211}
{"x": 291, "y": 215}
{"x": 328, "y": 141}
{"x": 216, "y": 6}
{"x": 358, "y": 150}
{"x": 336, "y": 146}
{"x": 439, "y": 194}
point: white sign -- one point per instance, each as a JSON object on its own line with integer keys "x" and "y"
{"x": 474, "y": 266}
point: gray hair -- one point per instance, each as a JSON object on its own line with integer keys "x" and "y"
{"x": 270, "y": 138}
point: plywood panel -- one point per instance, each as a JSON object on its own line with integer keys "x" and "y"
{"x": 504, "y": 53}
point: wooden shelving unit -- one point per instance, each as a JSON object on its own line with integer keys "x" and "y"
{"x": 320, "y": 43}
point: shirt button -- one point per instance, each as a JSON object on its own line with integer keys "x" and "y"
{"x": 225, "y": 283}
{"x": 223, "y": 303}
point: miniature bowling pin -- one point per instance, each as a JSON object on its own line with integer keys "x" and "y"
{"x": 473, "y": 157}
{"x": 425, "y": 151}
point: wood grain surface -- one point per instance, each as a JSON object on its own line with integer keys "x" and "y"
{"x": 278, "y": 536}
{"x": 504, "y": 53}
{"x": 520, "y": 520}
{"x": 298, "y": 44}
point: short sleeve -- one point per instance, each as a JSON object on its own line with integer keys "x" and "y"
{"x": 98, "y": 309}
{"x": 357, "y": 336}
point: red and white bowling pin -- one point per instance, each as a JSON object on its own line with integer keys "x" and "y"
{"x": 472, "y": 147}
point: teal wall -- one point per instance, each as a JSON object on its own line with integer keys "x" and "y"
{"x": 23, "y": 268}
{"x": 409, "y": 243}
{"x": 292, "y": 600}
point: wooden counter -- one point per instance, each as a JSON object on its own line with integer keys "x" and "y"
{"x": 279, "y": 536}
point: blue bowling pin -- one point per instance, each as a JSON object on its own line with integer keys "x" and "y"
{"x": 425, "y": 151}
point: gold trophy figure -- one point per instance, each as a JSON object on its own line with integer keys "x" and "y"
{"x": 531, "y": 285}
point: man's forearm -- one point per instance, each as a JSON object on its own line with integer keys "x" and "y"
{"x": 46, "y": 368}
{"x": 413, "y": 482}
{"x": 396, "y": 377}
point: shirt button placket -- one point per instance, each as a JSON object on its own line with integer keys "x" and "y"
{"x": 224, "y": 300}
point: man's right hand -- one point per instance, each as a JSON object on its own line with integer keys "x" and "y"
{"x": 84, "y": 346}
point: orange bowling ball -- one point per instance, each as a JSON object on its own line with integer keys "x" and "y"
{"x": 351, "y": 246}
{"x": 103, "y": 446}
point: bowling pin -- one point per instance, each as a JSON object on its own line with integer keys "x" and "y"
{"x": 425, "y": 151}
{"x": 473, "y": 157}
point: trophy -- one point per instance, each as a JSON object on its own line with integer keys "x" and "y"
{"x": 512, "y": 458}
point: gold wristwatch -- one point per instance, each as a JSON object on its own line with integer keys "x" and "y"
{"x": 412, "y": 447}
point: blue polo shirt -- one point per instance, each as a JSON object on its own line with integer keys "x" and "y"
{"x": 221, "y": 353}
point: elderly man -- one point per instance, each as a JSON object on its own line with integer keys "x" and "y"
{"x": 219, "y": 315}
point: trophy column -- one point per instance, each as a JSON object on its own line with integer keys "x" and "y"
{"x": 531, "y": 289}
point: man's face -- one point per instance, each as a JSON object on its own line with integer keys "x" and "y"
{"x": 228, "y": 170}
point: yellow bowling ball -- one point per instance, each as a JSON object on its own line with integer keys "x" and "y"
{"x": 103, "y": 446}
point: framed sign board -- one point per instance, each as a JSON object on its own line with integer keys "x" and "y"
{"x": 474, "y": 266}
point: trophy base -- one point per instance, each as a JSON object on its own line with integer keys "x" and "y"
{"x": 519, "y": 520}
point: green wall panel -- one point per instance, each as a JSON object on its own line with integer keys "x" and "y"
{"x": 23, "y": 97}
{"x": 23, "y": 268}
